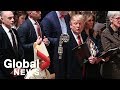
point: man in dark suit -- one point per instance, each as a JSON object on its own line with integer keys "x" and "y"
{"x": 10, "y": 48}
{"x": 54, "y": 24}
{"x": 29, "y": 34}
{"x": 74, "y": 67}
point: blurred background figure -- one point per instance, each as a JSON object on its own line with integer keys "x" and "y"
{"x": 101, "y": 16}
{"x": 0, "y": 20}
{"x": 20, "y": 17}
{"x": 81, "y": 12}
{"x": 98, "y": 28}
{"x": 44, "y": 13}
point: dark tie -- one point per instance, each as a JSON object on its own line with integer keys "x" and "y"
{"x": 38, "y": 29}
{"x": 14, "y": 43}
{"x": 79, "y": 40}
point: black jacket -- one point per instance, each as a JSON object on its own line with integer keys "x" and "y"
{"x": 7, "y": 52}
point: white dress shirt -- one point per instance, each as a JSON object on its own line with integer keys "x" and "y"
{"x": 62, "y": 23}
{"x": 76, "y": 37}
{"x": 35, "y": 25}
{"x": 9, "y": 34}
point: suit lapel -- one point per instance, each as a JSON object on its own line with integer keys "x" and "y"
{"x": 7, "y": 41}
{"x": 113, "y": 37}
{"x": 73, "y": 42}
{"x": 32, "y": 29}
{"x": 67, "y": 17}
{"x": 57, "y": 23}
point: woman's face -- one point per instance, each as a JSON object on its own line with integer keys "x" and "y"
{"x": 89, "y": 22}
{"x": 21, "y": 19}
{"x": 116, "y": 21}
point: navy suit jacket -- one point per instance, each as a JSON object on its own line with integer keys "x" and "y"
{"x": 51, "y": 26}
{"x": 69, "y": 67}
{"x": 52, "y": 29}
{"x": 7, "y": 52}
{"x": 28, "y": 36}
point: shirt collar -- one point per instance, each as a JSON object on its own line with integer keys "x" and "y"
{"x": 76, "y": 36}
{"x": 33, "y": 21}
{"x": 5, "y": 28}
{"x": 59, "y": 15}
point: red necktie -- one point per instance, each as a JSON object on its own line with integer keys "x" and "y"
{"x": 62, "y": 16}
{"x": 83, "y": 67}
{"x": 38, "y": 29}
{"x": 79, "y": 40}
{"x": 83, "y": 71}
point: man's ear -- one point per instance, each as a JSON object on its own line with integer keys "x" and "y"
{"x": 1, "y": 18}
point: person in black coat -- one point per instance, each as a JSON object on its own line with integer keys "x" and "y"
{"x": 7, "y": 49}
{"x": 73, "y": 68}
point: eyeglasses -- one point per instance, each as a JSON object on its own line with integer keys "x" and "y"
{"x": 117, "y": 18}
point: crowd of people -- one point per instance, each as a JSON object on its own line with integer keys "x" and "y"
{"x": 61, "y": 32}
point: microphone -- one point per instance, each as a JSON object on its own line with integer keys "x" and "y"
{"x": 64, "y": 38}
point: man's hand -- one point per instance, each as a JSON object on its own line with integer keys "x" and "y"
{"x": 39, "y": 40}
{"x": 92, "y": 59}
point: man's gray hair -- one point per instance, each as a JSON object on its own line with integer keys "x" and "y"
{"x": 1, "y": 12}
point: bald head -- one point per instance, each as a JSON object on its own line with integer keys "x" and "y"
{"x": 7, "y": 18}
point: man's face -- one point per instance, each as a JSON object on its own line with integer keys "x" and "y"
{"x": 7, "y": 18}
{"x": 36, "y": 14}
{"x": 77, "y": 25}
{"x": 63, "y": 12}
